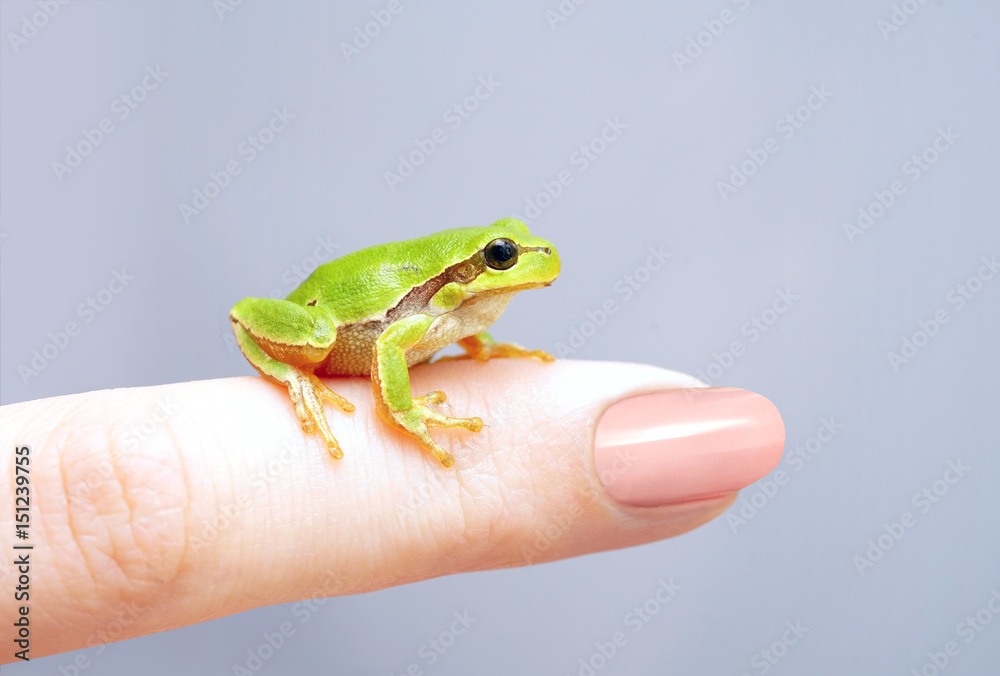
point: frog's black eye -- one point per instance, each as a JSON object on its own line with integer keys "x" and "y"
{"x": 500, "y": 254}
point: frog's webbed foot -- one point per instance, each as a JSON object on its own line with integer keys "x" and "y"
{"x": 422, "y": 415}
{"x": 307, "y": 393}
{"x": 483, "y": 348}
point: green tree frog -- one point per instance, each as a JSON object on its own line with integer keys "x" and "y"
{"x": 378, "y": 311}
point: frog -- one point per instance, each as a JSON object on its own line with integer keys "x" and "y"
{"x": 381, "y": 310}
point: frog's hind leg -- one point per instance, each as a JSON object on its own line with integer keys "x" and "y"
{"x": 309, "y": 335}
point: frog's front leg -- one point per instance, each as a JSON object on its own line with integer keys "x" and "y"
{"x": 482, "y": 347}
{"x": 391, "y": 384}
{"x": 284, "y": 342}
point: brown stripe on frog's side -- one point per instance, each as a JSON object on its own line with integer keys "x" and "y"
{"x": 462, "y": 272}
{"x": 419, "y": 297}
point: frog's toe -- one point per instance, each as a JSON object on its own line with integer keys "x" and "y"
{"x": 307, "y": 393}
{"x": 435, "y": 419}
{"x": 503, "y": 350}
{"x": 431, "y": 417}
{"x": 313, "y": 400}
{"x": 443, "y": 456}
{"x": 334, "y": 448}
{"x": 320, "y": 423}
{"x": 483, "y": 351}
{"x": 298, "y": 402}
{"x": 431, "y": 398}
{"x": 327, "y": 393}
{"x": 478, "y": 356}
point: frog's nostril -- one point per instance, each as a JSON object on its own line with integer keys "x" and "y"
{"x": 546, "y": 250}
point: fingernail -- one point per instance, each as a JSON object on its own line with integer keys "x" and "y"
{"x": 679, "y": 445}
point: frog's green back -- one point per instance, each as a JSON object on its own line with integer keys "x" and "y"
{"x": 369, "y": 282}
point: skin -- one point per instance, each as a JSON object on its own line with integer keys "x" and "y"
{"x": 223, "y": 505}
{"x": 381, "y": 310}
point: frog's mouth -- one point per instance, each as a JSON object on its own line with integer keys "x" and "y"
{"x": 515, "y": 288}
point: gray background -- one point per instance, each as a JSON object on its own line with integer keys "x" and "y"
{"x": 825, "y": 358}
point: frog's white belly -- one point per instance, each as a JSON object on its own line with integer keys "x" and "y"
{"x": 473, "y": 316}
{"x": 351, "y": 354}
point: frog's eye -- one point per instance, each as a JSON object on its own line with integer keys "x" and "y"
{"x": 501, "y": 254}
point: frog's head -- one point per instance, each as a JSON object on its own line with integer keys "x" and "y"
{"x": 509, "y": 258}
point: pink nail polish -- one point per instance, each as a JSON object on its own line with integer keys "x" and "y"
{"x": 669, "y": 447}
